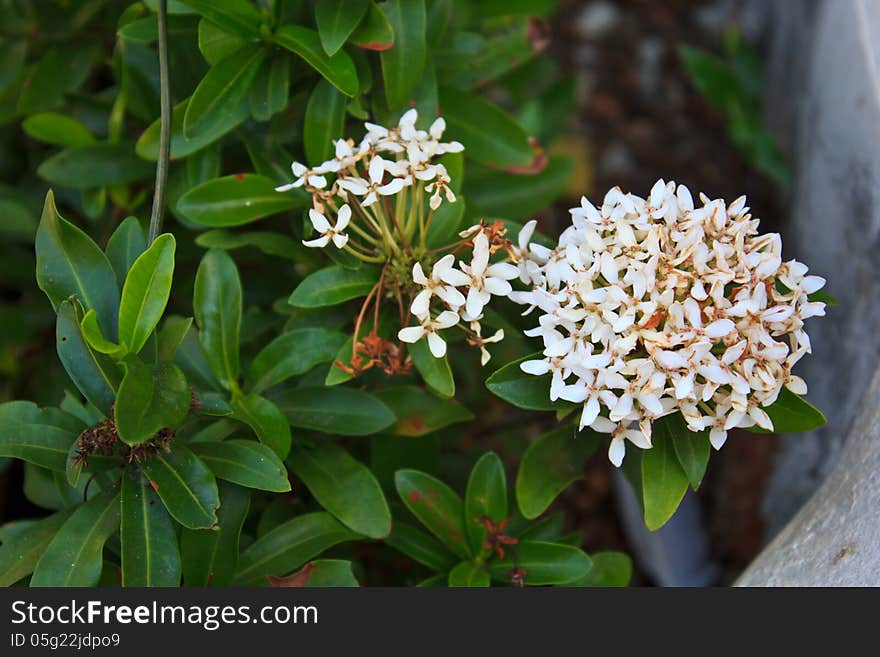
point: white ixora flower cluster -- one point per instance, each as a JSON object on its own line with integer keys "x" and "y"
{"x": 652, "y": 306}
{"x": 384, "y": 163}
{"x": 479, "y": 279}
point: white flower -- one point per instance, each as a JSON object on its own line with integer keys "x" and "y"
{"x": 429, "y": 328}
{"x": 373, "y": 188}
{"x": 328, "y": 232}
{"x": 485, "y": 279}
{"x": 304, "y": 175}
{"x": 443, "y": 281}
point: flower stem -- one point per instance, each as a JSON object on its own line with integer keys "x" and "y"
{"x": 165, "y": 127}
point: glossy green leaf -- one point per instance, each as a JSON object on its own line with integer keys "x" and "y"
{"x": 485, "y": 498}
{"x": 610, "y": 569}
{"x": 492, "y": 136}
{"x": 435, "y": 372}
{"x": 95, "y": 375}
{"x": 419, "y": 546}
{"x": 236, "y": 16}
{"x": 289, "y": 546}
{"x": 337, "y": 19}
{"x": 217, "y": 307}
{"x": 330, "y": 573}
{"x": 95, "y": 338}
{"x": 468, "y": 574}
{"x": 344, "y": 487}
{"x": 267, "y": 421}
{"x": 502, "y": 194}
{"x": 222, "y": 90}
{"x": 41, "y": 436}
{"x": 146, "y": 292}
{"x": 275, "y": 244}
{"x": 664, "y": 482}
{"x": 190, "y": 357}
{"x": 550, "y": 465}
{"x": 324, "y": 121}
{"x": 235, "y": 200}
{"x": 436, "y": 506}
{"x": 691, "y": 448}
{"x": 419, "y": 412}
{"x": 375, "y": 31}
{"x": 526, "y": 391}
{"x": 403, "y": 64}
{"x": 74, "y": 557}
{"x": 69, "y": 264}
{"x": 791, "y": 413}
{"x": 446, "y": 222}
{"x": 244, "y": 462}
{"x": 270, "y": 89}
{"x": 292, "y": 354}
{"x": 61, "y": 69}
{"x": 126, "y": 243}
{"x": 338, "y": 410}
{"x": 95, "y": 165}
{"x": 57, "y": 129}
{"x": 171, "y": 335}
{"x": 338, "y": 70}
{"x": 209, "y": 556}
{"x": 542, "y": 563}
{"x": 333, "y": 285}
{"x": 149, "y": 399}
{"x": 19, "y": 554}
{"x": 216, "y": 44}
{"x": 149, "y": 543}
{"x": 186, "y": 486}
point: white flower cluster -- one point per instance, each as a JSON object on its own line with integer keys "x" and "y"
{"x": 652, "y": 306}
{"x": 362, "y": 172}
{"x": 479, "y": 280}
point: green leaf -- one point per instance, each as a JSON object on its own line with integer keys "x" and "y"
{"x": 469, "y": 574}
{"x": 95, "y": 375}
{"x": 69, "y": 264}
{"x": 209, "y": 556}
{"x": 74, "y": 557}
{"x": 374, "y": 32}
{"x": 289, "y": 546}
{"x": 502, "y": 194}
{"x": 419, "y": 412}
{"x": 217, "y": 306}
{"x": 486, "y": 497}
{"x": 60, "y": 70}
{"x": 419, "y": 546}
{"x": 41, "y": 436}
{"x": 234, "y": 201}
{"x": 610, "y": 569}
{"x": 292, "y": 354}
{"x": 337, "y": 19}
{"x": 222, "y": 90}
{"x": 492, "y": 136}
{"x": 19, "y": 554}
{"x": 343, "y": 486}
{"x": 711, "y": 76}
{"x": 403, "y": 64}
{"x": 146, "y": 292}
{"x": 543, "y": 563}
{"x": 446, "y": 222}
{"x": 338, "y": 70}
{"x": 267, "y": 421}
{"x": 217, "y": 44}
{"x": 330, "y": 573}
{"x": 126, "y": 243}
{"x": 186, "y": 486}
{"x": 324, "y": 121}
{"x": 236, "y": 16}
{"x": 95, "y": 338}
{"x": 520, "y": 389}
{"x": 333, "y": 285}
{"x": 791, "y": 413}
{"x": 691, "y": 448}
{"x": 436, "y": 506}
{"x": 337, "y": 410}
{"x": 270, "y": 89}
{"x": 149, "y": 543}
{"x": 150, "y": 399}
{"x": 275, "y": 244}
{"x": 182, "y": 146}
{"x": 57, "y": 129}
{"x": 171, "y": 335}
{"x": 95, "y": 165}
{"x": 244, "y": 462}
{"x": 664, "y": 482}
{"x": 550, "y": 465}
{"x": 435, "y": 371}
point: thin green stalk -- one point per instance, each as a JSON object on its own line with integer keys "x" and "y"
{"x": 165, "y": 127}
